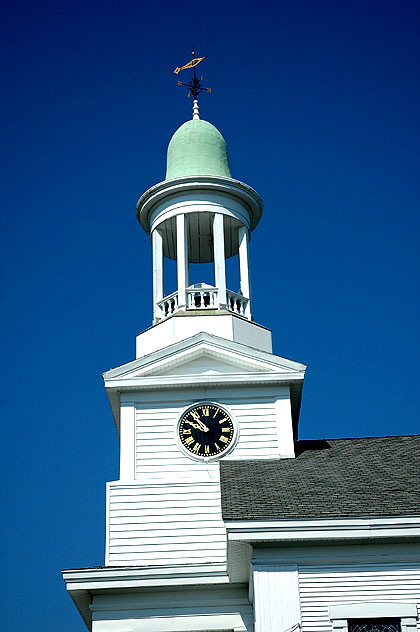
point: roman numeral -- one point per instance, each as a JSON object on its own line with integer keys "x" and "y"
{"x": 226, "y": 429}
{"x": 196, "y": 448}
{"x": 189, "y": 440}
{"x": 222, "y": 421}
{"x": 206, "y": 449}
{"x": 224, "y": 439}
{"x": 186, "y": 431}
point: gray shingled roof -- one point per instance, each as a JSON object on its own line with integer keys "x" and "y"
{"x": 335, "y": 478}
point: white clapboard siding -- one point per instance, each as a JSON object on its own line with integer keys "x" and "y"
{"x": 157, "y": 452}
{"x": 323, "y": 586}
{"x": 165, "y": 523}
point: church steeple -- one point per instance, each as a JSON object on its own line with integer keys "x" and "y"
{"x": 199, "y": 214}
{"x": 204, "y": 387}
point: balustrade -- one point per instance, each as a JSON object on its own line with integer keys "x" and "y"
{"x": 236, "y": 302}
{"x": 203, "y": 297}
{"x": 168, "y": 305}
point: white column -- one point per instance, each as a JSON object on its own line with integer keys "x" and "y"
{"x": 157, "y": 249}
{"x": 276, "y": 597}
{"x": 127, "y": 442}
{"x": 244, "y": 279}
{"x": 182, "y": 258}
{"x": 219, "y": 257}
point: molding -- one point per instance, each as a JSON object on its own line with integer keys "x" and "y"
{"x": 201, "y": 342}
{"x": 341, "y": 554}
{"x": 179, "y": 381}
{"x": 328, "y": 529}
{"x": 204, "y": 201}
{"x": 407, "y": 612}
{"x": 240, "y": 359}
{"x": 144, "y": 576}
{"x": 372, "y": 609}
{"x": 189, "y": 184}
{"x": 82, "y": 583}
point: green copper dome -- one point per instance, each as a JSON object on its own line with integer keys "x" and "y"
{"x": 197, "y": 148}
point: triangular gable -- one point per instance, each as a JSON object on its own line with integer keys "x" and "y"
{"x": 204, "y": 355}
{"x": 206, "y": 362}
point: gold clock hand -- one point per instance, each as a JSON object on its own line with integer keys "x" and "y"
{"x": 199, "y": 425}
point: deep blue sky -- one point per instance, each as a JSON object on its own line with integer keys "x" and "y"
{"x": 318, "y": 102}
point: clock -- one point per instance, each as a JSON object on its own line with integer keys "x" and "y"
{"x": 206, "y": 431}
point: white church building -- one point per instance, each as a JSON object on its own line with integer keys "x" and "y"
{"x": 222, "y": 520}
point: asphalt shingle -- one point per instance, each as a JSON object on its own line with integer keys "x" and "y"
{"x": 328, "y": 478}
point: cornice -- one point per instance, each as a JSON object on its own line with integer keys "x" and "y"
{"x": 326, "y": 529}
{"x": 188, "y": 184}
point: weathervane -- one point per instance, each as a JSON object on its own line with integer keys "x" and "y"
{"x": 194, "y": 85}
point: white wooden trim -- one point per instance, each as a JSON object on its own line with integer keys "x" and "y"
{"x": 407, "y": 612}
{"x": 219, "y": 257}
{"x": 127, "y": 441}
{"x": 330, "y": 529}
{"x": 175, "y": 381}
{"x": 110, "y": 577}
{"x": 205, "y": 623}
{"x": 107, "y": 519}
{"x": 203, "y": 340}
{"x": 244, "y": 276}
{"x": 285, "y": 426}
{"x": 182, "y": 259}
{"x": 274, "y": 585}
{"x": 157, "y": 254}
{"x": 371, "y": 609}
{"x": 230, "y": 197}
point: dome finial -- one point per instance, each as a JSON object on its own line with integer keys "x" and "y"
{"x": 194, "y": 85}
{"x": 197, "y": 148}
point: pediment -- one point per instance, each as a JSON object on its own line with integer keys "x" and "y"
{"x": 201, "y": 356}
{"x": 206, "y": 362}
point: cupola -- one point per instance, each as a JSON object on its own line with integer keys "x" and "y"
{"x": 199, "y": 214}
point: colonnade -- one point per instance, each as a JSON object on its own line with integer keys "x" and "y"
{"x": 219, "y": 261}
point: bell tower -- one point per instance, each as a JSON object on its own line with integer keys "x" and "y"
{"x": 204, "y": 386}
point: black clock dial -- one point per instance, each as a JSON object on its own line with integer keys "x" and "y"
{"x": 206, "y": 430}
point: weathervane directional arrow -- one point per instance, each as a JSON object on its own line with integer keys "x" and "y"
{"x": 191, "y": 64}
{"x": 194, "y": 85}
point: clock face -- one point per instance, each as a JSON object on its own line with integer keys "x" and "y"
{"x": 206, "y": 430}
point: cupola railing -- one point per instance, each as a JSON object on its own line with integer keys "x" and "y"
{"x": 203, "y": 297}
